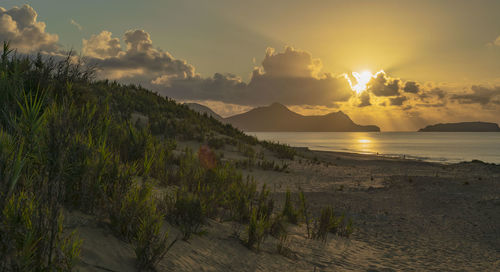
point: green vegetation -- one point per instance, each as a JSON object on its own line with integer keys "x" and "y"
{"x": 70, "y": 142}
{"x": 289, "y": 211}
{"x": 328, "y": 222}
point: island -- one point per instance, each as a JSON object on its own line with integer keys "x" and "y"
{"x": 277, "y": 117}
{"x": 462, "y": 127}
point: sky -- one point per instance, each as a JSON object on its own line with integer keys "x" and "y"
{"x": 440, "y": 59}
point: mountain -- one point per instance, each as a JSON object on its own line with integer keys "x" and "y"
{"x": 462, "y": 127}
{"x": 277, "y": 117}
{"x": 203, "y": 109}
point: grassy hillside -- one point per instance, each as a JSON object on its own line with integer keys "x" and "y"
{"x": 68, "y": 142}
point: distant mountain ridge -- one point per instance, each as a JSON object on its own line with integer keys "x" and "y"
{"x": 278, "y": 117}
{"x": 203, "y": 109}
{"x": 462, "y": 127}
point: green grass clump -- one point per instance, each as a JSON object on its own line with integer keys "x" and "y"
{"x": 187, "y": 213}
{"x": 257, "y": 230}
{"x": 328, "y": 222}
{"x": 150, "y": 246}
{"x": 282, "y": 151}
{"x": 289, "y": 211}
{"x": 137, "y": 219}
{"x": 29, "y": 238}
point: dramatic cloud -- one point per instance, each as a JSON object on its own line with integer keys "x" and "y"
{"x": 101, "y": 46}
{"x": 139, "y": 62}
{"x": 382, "y": 85}
{"x": 411, "y": 87}
{"x": 291, "y": 77}
{"x": 479, "y": 95}
{"x": 365, "y": 100}
{"x": 20, "y": 27}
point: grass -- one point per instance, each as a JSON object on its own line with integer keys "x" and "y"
{"x": 68, "y": 141}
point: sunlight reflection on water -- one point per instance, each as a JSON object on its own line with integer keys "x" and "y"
{"x": 431, "y": 146}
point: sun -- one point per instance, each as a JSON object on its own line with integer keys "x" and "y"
{"x": 362, "y": 80}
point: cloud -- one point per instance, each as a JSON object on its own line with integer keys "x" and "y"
{"x": 139, "y": 62}
{"x": 77, "y": 25}
{"x": 20, "y": 27}
{"x": 411, "y": 87}
{"x": 479, "y": 95}
{"x": 365, "y": 100}
{"x": 382, "y": 85}
{"x": 433, "y": 93}
{"x": 101, "y": 46}
{"x": 291, "y": 77}
{"x": 398, "y": 101}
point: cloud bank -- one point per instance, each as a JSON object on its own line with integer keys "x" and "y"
{"x": 290, "y": 76}
{"x": 20, "y": 27}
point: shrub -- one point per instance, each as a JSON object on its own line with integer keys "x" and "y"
{"x": 216, "y": 143}
{"x": 187, "y": 213}
{"x": 289, "y": 211}
{"x": 257, "y": 229}
{"x": 324, "y": 224}
{"x": 329, "y": 223}
{"x": 347, "y": 230}
{"x": 127, "y": 211}
{"x": 150, "y": 246}
{"x": 29, "y": 239}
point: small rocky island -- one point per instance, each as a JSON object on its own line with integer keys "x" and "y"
{"x": 462, "y": 127}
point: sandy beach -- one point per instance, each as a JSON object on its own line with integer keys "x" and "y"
{"x": 409, "y": 216}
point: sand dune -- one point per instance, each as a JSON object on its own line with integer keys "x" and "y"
{"x": 409, "y": 216}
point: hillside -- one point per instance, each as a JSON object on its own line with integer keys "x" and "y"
{"x": 203, "y": 109}
{"x": 462, "y": 127}
{"x": 277, "y": 117}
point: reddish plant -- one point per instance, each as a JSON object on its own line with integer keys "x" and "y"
{"x": 207, "y": 157}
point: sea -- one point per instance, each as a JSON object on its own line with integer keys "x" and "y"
{"x": 444, "y": 147}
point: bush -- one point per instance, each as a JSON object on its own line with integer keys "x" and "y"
{"x": 347, "y": 230}
{"x": 150, "y": 246}
{"x": 216, "y": 143}
{"x": 129, "y": 210}
{"x": 187, "y": 214}
{"x": 29, "y": 239}
{"x": 289, "y": 211}
{"x": 258, "y": 227}
{"x": 329, "y": 223}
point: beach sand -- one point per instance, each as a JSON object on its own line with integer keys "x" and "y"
{"x": 409, "y": 216}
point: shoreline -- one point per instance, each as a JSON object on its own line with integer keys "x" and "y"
{"x": 443, "y": 148}
{"x": 365, "y": 156}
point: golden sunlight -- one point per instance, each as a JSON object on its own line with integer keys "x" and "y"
{"x": 362, "y": 80}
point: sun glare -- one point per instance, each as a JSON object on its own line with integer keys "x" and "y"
{"x": 364, "y": 141}
{"x": 362, "y": 80}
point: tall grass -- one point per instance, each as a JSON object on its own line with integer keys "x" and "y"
{"x": 68, "y": 141}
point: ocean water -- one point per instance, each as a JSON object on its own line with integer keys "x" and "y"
{"x": 446, "y": 147}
